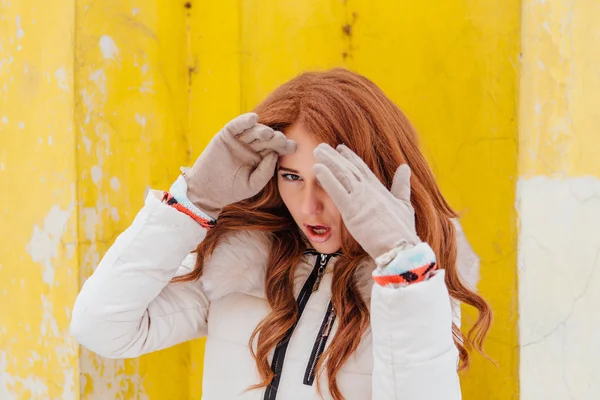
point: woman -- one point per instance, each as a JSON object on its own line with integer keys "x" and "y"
{"x": 314, "y": 268}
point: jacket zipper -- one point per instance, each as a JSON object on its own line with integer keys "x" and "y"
{"x": 310, "y": 285}
{"x": 320, "y": 272}
{"x": 319, "y": 346}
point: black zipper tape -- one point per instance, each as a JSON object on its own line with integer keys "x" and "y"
{"x": 281, "y": 348}
{"x": 319, "y": 346}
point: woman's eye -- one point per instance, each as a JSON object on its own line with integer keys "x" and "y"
{"x": 291, "y": 177}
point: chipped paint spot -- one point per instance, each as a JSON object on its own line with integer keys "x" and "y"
{"x": 96, "y": 173}
{"x": 5, "y": 120}
{"x": 61, "y": 76}
{"x": 90, "y": 221}
{"x": 88, "y": 102}
{"x": 114, "y": 214}
{"x": 135, "y": 11}
{"x": 21, "y": 125}
{"x": 20, "y": 31}
{"x": 45, "y": 241}
{"x": 10, "y": 385}
{"x": 541, "y": 65}
{"x": 147, "y": 87}
{"x": 141, "y": 119}
{"x": 49, "y": 324}
{"x": 99, "y": 78}
{"x": 109, "y": 48}
{"x": 108, "y": 377}
{"x": 114, "y": 183}
{"x": 87, "y": 143}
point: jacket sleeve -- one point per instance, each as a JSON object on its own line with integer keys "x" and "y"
{"x": 128, "y": 307}
{"x": 415, "y": 357}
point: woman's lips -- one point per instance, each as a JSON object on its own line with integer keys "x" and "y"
{"x": 317, "y": 233}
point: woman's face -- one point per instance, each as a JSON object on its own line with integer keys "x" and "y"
{"x": 310, "y": 206}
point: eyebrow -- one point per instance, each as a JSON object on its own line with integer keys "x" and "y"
{"x": 287, "y": 169}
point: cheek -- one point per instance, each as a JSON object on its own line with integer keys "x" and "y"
{"x": 287, "y": 195}
{"x": 332, "y": 210}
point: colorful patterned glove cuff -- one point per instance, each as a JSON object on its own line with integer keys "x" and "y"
{"x": 176, "y": 197}
{"x": 404, "y": 265}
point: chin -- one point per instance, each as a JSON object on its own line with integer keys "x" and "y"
{"x": 327, "y": 248}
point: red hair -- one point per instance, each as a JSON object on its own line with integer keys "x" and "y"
{"x": 339, "y": 106}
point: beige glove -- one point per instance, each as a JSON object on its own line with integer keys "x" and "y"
{"x": 373, "y": 215}
{"x": 237, "y": 164}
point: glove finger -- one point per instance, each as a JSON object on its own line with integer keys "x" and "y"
{"x": 357, "y": 165}
{"x": 256, "y": 133}
{"x": 401, "y": 185}
{"x": 241, "y": 123}
{"x": 331, "y": 184}
{"x": 264, "y": 171}
{"x": 326, "y": 155}
{"x": 278, "y": 143}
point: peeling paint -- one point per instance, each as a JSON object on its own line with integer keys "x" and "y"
{"x": 20, "y": 31}
{"x": 114, "y": 183}
{"x": 141, "y": 119}
{"x": 109, "y": 48}
{"x": 43, "y": 246}
{"x": 99, "y": 78}
{"x": 96, "y": 173}
{"x": 61, "y": 76}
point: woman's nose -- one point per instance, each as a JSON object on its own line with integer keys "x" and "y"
{"x": 312, "y": 202}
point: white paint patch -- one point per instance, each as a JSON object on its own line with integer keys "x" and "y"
{"x": 61, "y": 75}
{"x": 114, "y": 214}
{"x": 99, "y": 78}
{"x": 45, "y": 242}
{"x": 114, "y": 183}
{"x": 5, "y": 120}
{"x": 135, "y": 11}
{"x": 49, "y": 140}
{"x": 541, "y": 65}
{"x": 147, "y": 87}
{"x": 88, "y": 102}
{"x": 10, "y": 386}
{"x": 96, "y": 173}
{"x": 20, "y": 31}
{"x": 141, "y": 119}
{"x": 21, "y": 125}
{"x": 90, "y": 221}
{"x": 559, "y": 287}
{"x": 109, "y": 48}
{"x": 49, "y": 325}
{"x": 110, "y": 376}
{"x": 87, "y": 143}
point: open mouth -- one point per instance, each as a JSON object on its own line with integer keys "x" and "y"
{"x": 318, "y": 233}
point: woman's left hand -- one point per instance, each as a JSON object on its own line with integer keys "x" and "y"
{"x": 375, "y": 217}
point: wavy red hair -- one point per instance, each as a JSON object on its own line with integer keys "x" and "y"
{"x": 339, "y": 106}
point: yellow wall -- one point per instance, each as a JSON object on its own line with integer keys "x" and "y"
{"x": 148, "y": 82}
{"x": 38, "y": 213}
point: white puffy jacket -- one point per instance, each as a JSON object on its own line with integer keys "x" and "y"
{"x": 128, "y": 308}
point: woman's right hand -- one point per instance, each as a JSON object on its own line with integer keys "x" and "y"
{"x": 237, "y": 164}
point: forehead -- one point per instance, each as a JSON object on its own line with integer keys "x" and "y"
{"x": 306, "y": 143}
